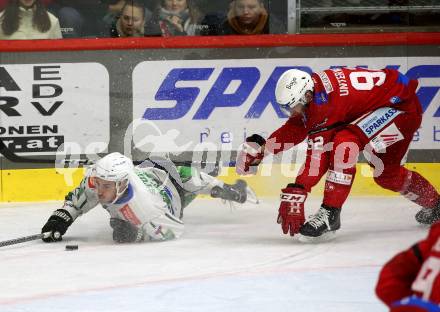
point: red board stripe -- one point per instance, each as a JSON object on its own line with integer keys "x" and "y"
{"x": 302, "y": 40}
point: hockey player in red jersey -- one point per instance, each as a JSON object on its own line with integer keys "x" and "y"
{"x": 342, "y": 112}
{"x": 410, "y": 281}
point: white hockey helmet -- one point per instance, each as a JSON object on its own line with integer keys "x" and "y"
{"x": 291, "y": 89}
{"x": 114, "y": 167}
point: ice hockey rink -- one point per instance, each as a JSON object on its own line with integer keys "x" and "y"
{"x": 228, "y": 260}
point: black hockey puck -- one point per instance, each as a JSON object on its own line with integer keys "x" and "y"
{"x": 71, "y": 247}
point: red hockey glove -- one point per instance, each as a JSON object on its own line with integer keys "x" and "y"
{"x": 291, "y": 212}
{"x": 250, "y": 155}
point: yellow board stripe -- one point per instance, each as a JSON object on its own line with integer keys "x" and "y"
{"x": 24, "y": 185}
{"x": 268, "y": 182}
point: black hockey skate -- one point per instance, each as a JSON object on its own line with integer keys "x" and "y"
{"x": 428, "y": 215}
{"x": 327, "y": 219}
{"x": 235, "y": 192}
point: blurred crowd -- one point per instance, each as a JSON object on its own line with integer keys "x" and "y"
{"x": 53, "y": 19}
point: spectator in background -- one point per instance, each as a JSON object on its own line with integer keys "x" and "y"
{"x": 175, "y": 18}
{"x": 71, "y": 20}
{"x": 78, "y": 18}
{"x": 3, "y": 3}
{"x": 131, "y": 21}
{"x": 245, "y": 17}
{"x": 114, "y": 9}
{"x": 28, "y": 19}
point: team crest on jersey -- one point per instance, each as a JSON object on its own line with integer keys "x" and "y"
{"x": 320, "y": 98}
{"x": 395, "y": 100}
{"x": 326, "y": 82}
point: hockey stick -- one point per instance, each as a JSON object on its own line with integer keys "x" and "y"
{"x": 13, "y": 157}
{"x": 19, "y": 159}
{"x": 26, "y": 239}
{"x": 331, "y": 127}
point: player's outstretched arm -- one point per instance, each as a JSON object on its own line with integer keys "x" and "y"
{"x": 164, "y": 227}
{"x": 149, "y": 223}
{"x": 397, "y": 276}
{"x": 57, "y": 225}
{"x": 125, "y": 232}
{"x": 291, "y": 133}
{"x": 77, "y": 202}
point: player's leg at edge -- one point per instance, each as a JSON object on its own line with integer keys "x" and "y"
{"x": 203, "y": 183}
{"x": 421, "y": 192}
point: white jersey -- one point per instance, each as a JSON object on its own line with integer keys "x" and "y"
{"x": 153, "y": 201}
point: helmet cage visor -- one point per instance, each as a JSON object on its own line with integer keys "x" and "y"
{"x": 121, "y": 185}
{"x": 287, "y": 108}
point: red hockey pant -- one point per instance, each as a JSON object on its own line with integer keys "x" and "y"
{"x": 338, "y": 160}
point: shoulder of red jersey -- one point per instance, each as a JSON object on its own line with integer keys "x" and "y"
{"x": 328, "y": 81}
{"x": 322, "y": 81}
{"x": 432, "y": 240}
{"x": 435, "y": 230}
{"x": 322, "y": 87}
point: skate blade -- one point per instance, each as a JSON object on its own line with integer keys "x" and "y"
{"x": 251, "y": 197}
{"x": 326, "y": 237}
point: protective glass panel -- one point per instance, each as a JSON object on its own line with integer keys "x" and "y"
{"x": 315, "y": 16}
{"x": 139, "y": 18}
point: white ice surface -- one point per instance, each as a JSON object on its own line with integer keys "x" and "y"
{"x": 226, "y": 261}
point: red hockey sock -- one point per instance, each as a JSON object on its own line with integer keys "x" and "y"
{"x": 342, "y": 169}
{"x": 337, "y": 187}
{"x": 420, "y": 191}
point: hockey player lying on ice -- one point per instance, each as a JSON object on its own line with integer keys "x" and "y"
{"x": 410, "y": 281}
{"x": 145, "y": 202}
{"x": 341, "y": 112}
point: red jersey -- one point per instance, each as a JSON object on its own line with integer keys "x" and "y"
{"x": 345, "y": 94}
{"x": 415, "y": 271}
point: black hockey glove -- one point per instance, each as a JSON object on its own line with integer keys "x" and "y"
{"x": 57, "y": 225}
{"x": 124, "y": 231}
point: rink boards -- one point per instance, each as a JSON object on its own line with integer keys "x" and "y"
{"x": 180, "y": 95}
{"x": 47, "y": 184}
